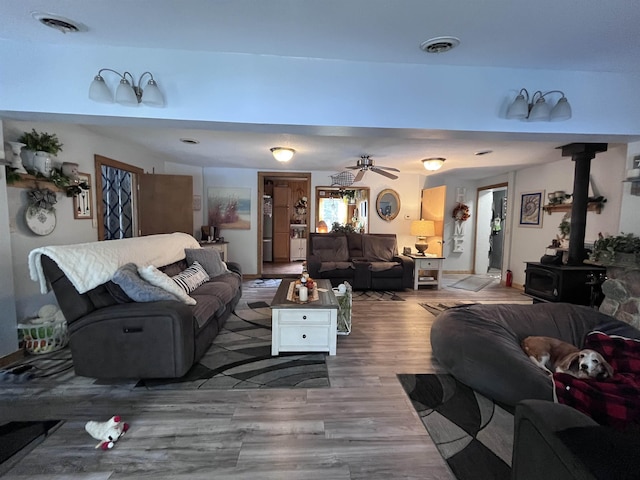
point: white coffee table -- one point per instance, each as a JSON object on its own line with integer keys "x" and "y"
{"x": 304, "y": 327}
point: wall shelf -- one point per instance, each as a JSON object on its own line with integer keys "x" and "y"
{"x": 33, "y": 182}
{"x": 566, "y": 207}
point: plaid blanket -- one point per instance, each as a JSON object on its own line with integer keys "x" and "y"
{"x": 615, "y": 401}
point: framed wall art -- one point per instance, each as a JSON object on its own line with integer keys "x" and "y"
{"x": 82, "y": 202}
{"x": 229, "y": 207}
{"x": 531, "y": 209}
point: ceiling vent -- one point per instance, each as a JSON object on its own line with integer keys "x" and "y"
{"x": 59, "y": 23}
{"x": 439, "y": 44}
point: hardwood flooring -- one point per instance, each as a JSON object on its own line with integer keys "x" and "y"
{"x": 362, "y": 427}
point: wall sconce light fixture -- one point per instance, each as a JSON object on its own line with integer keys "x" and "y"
{"x": 536, "y": 109}
{"x": 282, "y": 154}
{"x": 433, "y": 163}
{"x": 128, "y": 92}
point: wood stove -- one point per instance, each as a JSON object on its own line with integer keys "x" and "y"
{"x": 577, "y": 284}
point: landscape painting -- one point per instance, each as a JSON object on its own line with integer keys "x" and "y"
{"x": 229, "y": 207}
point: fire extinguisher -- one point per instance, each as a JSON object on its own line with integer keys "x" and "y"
{"x": 509, "y": 280}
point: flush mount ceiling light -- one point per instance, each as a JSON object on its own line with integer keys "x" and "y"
{"x": 127, "y": 93}
{"x": 282, "y": 154}
{"x": 59, "y": 23}
{"x": 433, "y": 163}
{"x": 538, "y": 109}
{"x": 439, "y": 44}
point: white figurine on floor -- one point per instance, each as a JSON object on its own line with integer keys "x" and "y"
{"x": 107, "y": 432}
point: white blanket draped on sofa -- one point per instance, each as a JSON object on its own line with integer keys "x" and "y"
{"x": 88, "y": 265}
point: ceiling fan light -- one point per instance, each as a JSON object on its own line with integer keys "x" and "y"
{"x": 518, "y": 109}
{"x": 433, "y": 164}
{"x": 540, "y": 111}
{"x": 99, "y": 92}
{"x": 282, "y": 154}
{"x": 562, "y": 111}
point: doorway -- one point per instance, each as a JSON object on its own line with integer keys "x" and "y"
{"x": 490, "y": 224}
{"x": 283, "y": 222}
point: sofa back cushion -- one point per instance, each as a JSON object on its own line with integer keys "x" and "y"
{"x": 354, "y": 242}
{"x": 330, "y": 248}
{"x": 379, "y": 248}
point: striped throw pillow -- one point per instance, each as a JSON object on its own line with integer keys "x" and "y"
{"x": 191, "y": 278}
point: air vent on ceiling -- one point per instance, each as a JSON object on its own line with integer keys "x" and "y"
{"x": 190, "y": 141}
{"x": 59, "y": 23}
{"x": 439, "y": 44}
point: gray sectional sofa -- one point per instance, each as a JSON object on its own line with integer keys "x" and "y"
{"x": 111, "y": 336}
{"x": 368, "y": 261}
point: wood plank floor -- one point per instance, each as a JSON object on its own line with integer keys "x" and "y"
{"x": 362, "y": 427}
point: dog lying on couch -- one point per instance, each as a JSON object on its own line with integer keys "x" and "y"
{"x": 123, "y": 322}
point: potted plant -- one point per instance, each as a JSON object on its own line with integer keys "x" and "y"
{"x": 623, "y": 249}
{"x": 43, "y": 145}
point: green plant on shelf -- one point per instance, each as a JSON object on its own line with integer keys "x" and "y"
{"x": 41, "y": 142}
{"x": 623, "y": 248}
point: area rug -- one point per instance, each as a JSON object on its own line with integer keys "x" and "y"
{"x": 473, "y": 283}
{"x": 383, "y": 296}
{"x": 239, "y": 358}
{"x": 472, "y": 433}
{"x": 265, "y": 283}
{"x": 436, "y": 308}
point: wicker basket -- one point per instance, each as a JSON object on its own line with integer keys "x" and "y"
{"x": 45, "y": 337}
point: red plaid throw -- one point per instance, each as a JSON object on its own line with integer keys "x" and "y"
{"x": 616, "y": 401}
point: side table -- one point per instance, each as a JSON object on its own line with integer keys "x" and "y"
{"x": 427, "y": 270}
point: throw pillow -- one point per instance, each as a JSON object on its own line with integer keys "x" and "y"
{"x": 155, "y": 277}
{"x": 191, "y": 278}
{"x": 209, "y": 258}
{"x": 139, "y": 290}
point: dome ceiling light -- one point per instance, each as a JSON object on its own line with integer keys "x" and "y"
{"x": 282, "y": 154}
{"x": 434, "y": 163}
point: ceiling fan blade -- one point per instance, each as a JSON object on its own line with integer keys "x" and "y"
{"x": 359, "y": 176}
{"x": 355, "y": 167}
{"x": 382, "y": 172}
{"x": 389, "y": 168}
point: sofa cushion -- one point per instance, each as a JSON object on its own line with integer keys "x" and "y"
{"x": 191, "y": 278}
{"x": 354, "y": 242}
{"x": 328, "y": 266}
{"x": 174, "y": 268}
{"x": 378, "y": 248}
{"x": 209, "y": 258}
{"x": 384, "y": 266}
{"x": 138, "y": 289}
{"x": 330, "y": 248}
{"x": 155, "y": 277}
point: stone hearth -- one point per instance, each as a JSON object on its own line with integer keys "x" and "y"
{"x": 622, "y": 294}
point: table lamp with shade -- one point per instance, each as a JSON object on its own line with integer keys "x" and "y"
{"x": 321, "y": 227}
{"x": 422, "y": 229}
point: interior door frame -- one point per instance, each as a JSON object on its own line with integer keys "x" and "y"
{"x": 99, "y": 161}
{"x": 262, "y": 176}
{"x": 504, "y": 185}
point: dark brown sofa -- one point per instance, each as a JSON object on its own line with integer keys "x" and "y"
{"x": 368, "y": 261}
{"x": 111, "y": 336}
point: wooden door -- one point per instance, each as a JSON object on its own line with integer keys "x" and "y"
{"x": 432, "y": 208}
{"x": 281, "y": 222}
{"x": 165, "y": 204}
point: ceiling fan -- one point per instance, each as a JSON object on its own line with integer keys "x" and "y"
{"x": 365, "y": 163}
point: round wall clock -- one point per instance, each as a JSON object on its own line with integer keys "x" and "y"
{"x": 40, "y": 220}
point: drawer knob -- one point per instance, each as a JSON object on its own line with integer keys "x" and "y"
{"x": 304, "y": 335}
{"x": 304, "y": 317}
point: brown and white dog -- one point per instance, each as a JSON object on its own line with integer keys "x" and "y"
{"x": 554, "y": 355}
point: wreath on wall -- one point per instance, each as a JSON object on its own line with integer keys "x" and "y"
{"x": 461, "y": 213}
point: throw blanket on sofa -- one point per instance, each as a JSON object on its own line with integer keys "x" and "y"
{"x": 88, "y": 265}
{"x": 615, "y": 401}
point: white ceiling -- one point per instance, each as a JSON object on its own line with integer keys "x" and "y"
{"x": 582, "y": 35}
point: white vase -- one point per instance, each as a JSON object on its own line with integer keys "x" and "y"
{"x": 42, "y": 163}
{"x": 27, "y": 158}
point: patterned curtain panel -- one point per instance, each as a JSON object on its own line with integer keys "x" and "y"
{"x": 117, "y": 203}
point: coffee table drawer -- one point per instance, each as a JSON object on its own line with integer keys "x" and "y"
{"x": 301, "y": 338}
{"x": 304, "y": 317}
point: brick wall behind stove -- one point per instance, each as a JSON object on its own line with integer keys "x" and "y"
{"x": 622, "y": 294}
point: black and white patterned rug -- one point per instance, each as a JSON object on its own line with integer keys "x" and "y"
{"x": 472, "y": 433}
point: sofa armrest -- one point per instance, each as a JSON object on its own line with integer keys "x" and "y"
{"x": 234, "y": 267}
{"x": 407, "y": 269}
{"x": 134, "y": 340}
{"x": 313, "y": 265}
{"x": 538, "y": 453}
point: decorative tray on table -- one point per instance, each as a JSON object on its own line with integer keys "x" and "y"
{"x": 293, "y": 295}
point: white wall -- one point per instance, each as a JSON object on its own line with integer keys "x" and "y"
{"x": 79, "y": 145}
{"x": 630, "y": 211}
{"x": 607, "y": 173}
